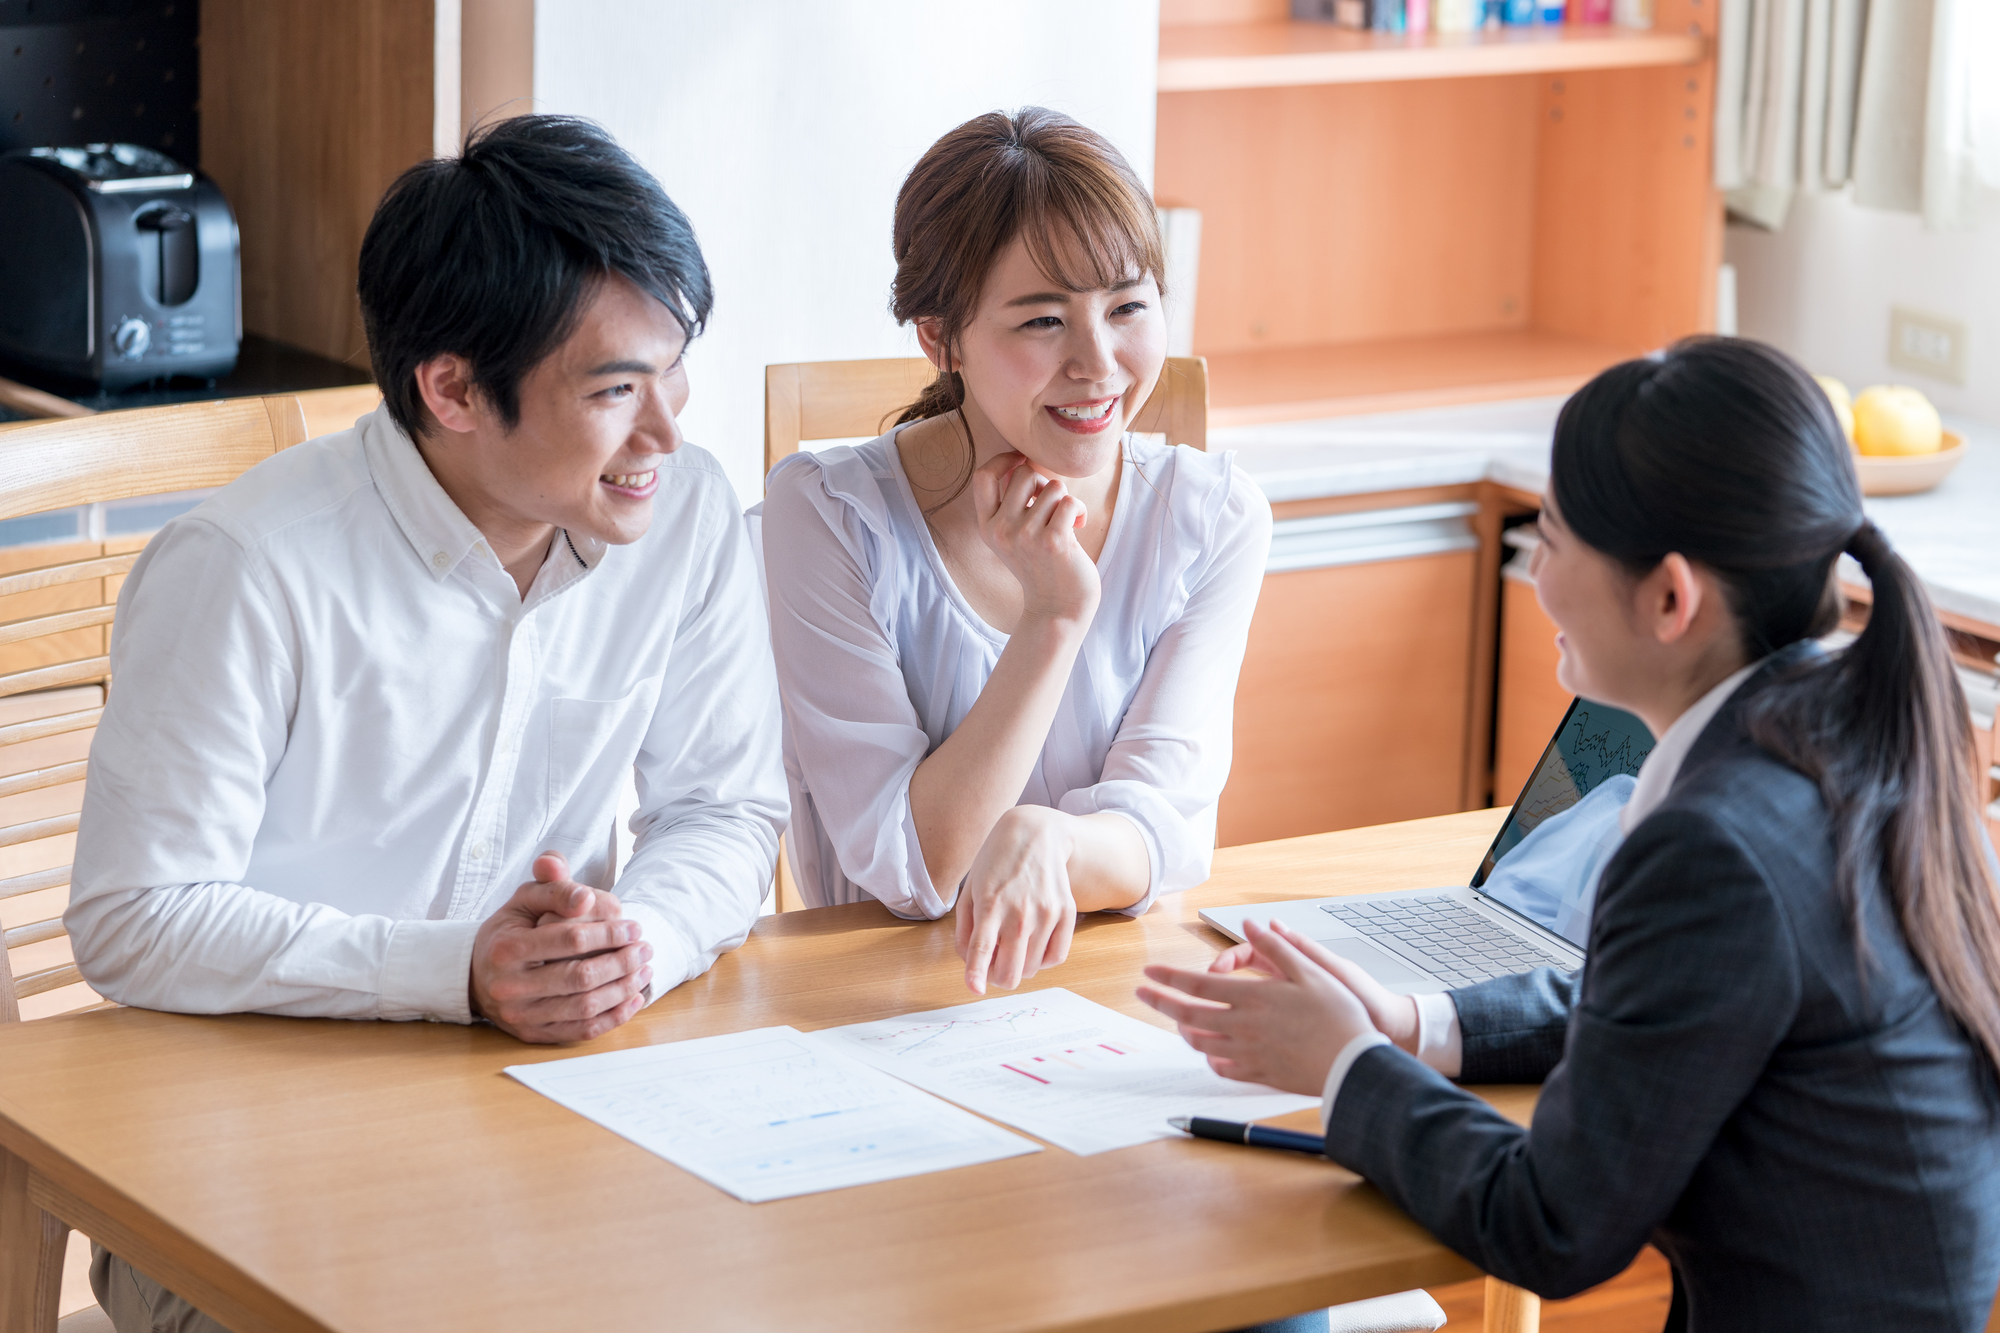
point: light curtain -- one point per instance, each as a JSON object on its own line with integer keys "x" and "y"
{"x": 1898, "y": 98}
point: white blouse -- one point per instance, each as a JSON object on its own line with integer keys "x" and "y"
{"x": 880, "y": 657}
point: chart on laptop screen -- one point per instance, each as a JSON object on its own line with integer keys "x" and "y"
{"x": 1596, "y": 742}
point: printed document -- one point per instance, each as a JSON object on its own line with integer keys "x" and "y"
{"x": 769, "y": 1113}
{"x": 1068, "y": 1070}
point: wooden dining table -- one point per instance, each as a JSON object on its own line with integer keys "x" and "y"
{"x": 303, "y": 1174}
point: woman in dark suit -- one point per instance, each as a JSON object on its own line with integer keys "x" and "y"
{"x": 1779, "y": 1062}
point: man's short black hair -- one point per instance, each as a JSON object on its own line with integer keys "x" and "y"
{"x": 491, "y": 254}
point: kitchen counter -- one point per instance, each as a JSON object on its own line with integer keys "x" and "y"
{"x": 262, "y": 367}
{"x": 1951, "y": 535}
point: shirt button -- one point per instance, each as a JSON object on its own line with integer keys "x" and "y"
{"x": 477, "y": 851}
{"x": 440, "y": 560}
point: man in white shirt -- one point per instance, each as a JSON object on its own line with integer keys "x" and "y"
{"x": 363, "y": 689}
{"x": 377, "y": 700}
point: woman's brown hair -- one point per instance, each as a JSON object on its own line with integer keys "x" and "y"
{"x": 1726, "y": 451}
{"x": 1037, "y": 174}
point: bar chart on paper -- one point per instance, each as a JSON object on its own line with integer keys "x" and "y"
{"x": 1067, "y": 1070}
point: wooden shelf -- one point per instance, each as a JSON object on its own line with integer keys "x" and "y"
{"x": 1209, "y": 56}
{"x": 1392, "y": 375}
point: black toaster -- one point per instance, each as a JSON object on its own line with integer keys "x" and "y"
{"x": 118, "y": 265}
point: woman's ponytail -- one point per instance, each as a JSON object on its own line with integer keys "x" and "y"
{"x": 1885, "y": 732}
{"x": 942, "y": 395}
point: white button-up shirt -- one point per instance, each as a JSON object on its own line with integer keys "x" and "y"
{"x": 338, "y": 737}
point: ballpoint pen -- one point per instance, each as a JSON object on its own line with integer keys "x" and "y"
{"x": 1255, "y": 1136}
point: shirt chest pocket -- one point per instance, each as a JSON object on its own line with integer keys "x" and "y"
{"x": 592, "y": 746}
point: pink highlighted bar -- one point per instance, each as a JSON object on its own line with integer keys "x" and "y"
{"x": 1025, "y": 1074}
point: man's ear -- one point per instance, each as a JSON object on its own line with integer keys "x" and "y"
{"x": 930, "y": 337}
{"x": 445, "y": 384}
{"x": 1671, "y": 597}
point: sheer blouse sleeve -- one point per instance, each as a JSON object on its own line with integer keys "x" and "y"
{"x": 1166, "y": 768}
{"x": 854, "y": 734}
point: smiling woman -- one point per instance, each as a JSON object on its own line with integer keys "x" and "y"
{"x": 1008, "y": 632}
{"x": 1063, "y": 219}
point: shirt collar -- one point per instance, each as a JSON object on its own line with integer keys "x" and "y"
{"x": 1663, "y": 765}
{"x": 437, "y": 530}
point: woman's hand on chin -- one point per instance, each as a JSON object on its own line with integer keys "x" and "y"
{"x": 1030, "y": 522}
{"x": 1016, "y": 914}
{"x": 1283, "y": 1030}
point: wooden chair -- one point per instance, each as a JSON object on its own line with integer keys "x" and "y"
{"x": 843, "y": 400}
{"x": 326, "y": 410}
{"x": 56, "y": 606}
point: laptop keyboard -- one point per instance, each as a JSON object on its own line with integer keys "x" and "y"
{"x": 1452, "y": 942}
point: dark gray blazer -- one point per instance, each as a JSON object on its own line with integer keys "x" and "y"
{"x": 1813, "y": 1144}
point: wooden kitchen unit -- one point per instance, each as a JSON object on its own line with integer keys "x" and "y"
{"x": 1368, "y": 684}
{"x": 1392, "y": 222}
{"x": 1395, "y": 222}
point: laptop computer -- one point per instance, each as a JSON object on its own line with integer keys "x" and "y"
{"x": 1418, "y": 941}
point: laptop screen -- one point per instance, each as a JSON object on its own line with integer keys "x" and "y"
{"x": 1557, "y": 835}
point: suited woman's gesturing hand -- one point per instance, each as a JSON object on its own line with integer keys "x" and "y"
{"x": 1395, "y": 1016}
{"x": 1283, "y": 1030}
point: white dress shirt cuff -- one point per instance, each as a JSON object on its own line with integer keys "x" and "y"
{"x": 1440, "y": 1043}
{"x": 428, "y": 970}
{"x": 673, "y": 962}
{"x": 1343, "y": 1062}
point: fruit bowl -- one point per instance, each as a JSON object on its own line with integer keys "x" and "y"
{"x": 1906, "y": 474}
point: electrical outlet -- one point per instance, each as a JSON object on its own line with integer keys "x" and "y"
{"x": 1927, "y": 344}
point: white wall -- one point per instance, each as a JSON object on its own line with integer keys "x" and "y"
{"x": 1822, "y": 287}
{"x": 784, "y": 128}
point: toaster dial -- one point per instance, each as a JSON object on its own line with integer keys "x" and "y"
{"x": 132, "y": 338}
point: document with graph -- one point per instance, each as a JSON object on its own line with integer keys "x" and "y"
{"x": 769, "y": 1113}
{"x": 1068, "y": 1070}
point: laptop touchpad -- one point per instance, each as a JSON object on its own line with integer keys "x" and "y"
{"x": 1378, "y": 963}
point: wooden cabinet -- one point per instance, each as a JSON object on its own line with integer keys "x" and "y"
{"x": 1391, "y": 223}
{"x": 1400, "y": 222}
{"x": 310, "y": 110}
{"x": 1352, "y": 705}
{"x": 1360, "y": 699}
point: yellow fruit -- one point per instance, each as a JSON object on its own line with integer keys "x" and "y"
{"x": 1843, "y": 403}
{"x": 1893, "y": 419}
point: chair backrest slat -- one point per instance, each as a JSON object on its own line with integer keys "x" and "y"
{"x": 55, "y": 631}
{"x": 19, "y": 631}
{"x": 36, "y": 779}
{"x": 15, "y": 834}
{"x": 835, "y": 400}
{"x": 55, "y": 677}
{"x": 71, "y": 571}
{"x": 34, "y": 932}
{"x": 115, "y": 455}
{"x": 34, "y": 882}
{"x": 47, "y": 979}
{"x": 19, "y": 733}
